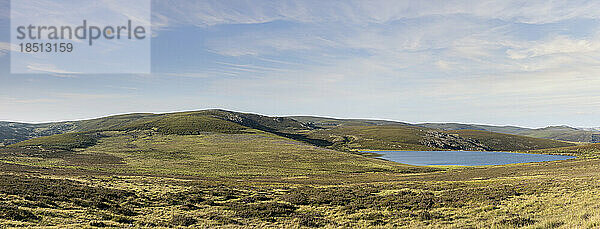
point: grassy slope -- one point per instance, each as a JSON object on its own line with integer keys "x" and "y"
{"x": 245, "y": 152}
{"x": 164, "y": 172}
{"x": 509, "y": 142}
{"x": 184, "y": 124}
{"x": 583, "y": 151}
{"x": 397, "y": 137}
{"x": 258, "y": 179}
{"x": 233, "y": 155}
{"x": 66, "y": 141}
{"x": 208, "y": 120}
{"x": 327, "y": 122}
{"x": 336, "y": 133}
{"x": 562, "y": 133}
{"x": 405, "y": 137}
{"x": 201, "y": 143}
{"x": 11, "y": 133}
{"x": 460, "y": 126}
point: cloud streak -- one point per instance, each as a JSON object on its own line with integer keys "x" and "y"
{"x": 6, "y": 48}
{"x": 502, "y": 62}
{"x": 213, "y": 12}
{"x": 554, "y": 46}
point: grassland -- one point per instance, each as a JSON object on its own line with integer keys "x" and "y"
{"x": 338, "y": 134}
{"x": 66, "y": 141}
{"x": 561, "y": 133}
{"x": 509, "y": 142}
{"x": 244, "y": 155}
{"x": 171, "y": 123}
{"x": 406, "y": 137}
{"x": 195, "y": 171}
{"x": 538, "y": 195}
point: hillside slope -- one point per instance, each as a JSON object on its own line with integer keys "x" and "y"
{"x": 11, "y": 133}
{"x": 509, "y": 142}
{"x": 350, "y": 134}
{"x": 329, "y": 122}
{"x": 580, "y": 151}
{"x": 561, "y": 133}
{"x": 418, "y": 138}
{"x": 242, "y": 153}
{"x": 219, "y": 169}
{"x": 338, "y": 134}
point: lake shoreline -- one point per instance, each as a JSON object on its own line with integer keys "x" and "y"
{"x": 462, "y": 158}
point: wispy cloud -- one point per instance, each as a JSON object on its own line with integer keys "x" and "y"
{"x": 6, "y": 48}
{"x": 443, "y": 60}
{"x": 86, "y": 96}
{"x": 203, "y": 75}
{"x": 49, "y": 69}
{"x": 556, "y": 45}
{"x": 212, "y": 12}
{"x": 11, "y": 101}
{"x": 250, "y": 67}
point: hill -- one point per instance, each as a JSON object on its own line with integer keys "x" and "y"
{"x": 338, "y": 134}
{"x": 207, "y": 143}
{"x": 508, "y": 142}
{"x": 460, "y": 126}
{"x": 209, "y": 120}
{"x": 561, "y": 133}
{"x": 11, "y": 132}
{"x": 581, "y": 151}
{"x": 361, "y": 134}
{"x": 407, "y": 137}
{"x": 329, "y": 122}
{"x": 591, "y": 129}
{"x": 227, "y": 169}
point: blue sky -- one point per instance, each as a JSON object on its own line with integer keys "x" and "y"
{"x": 526, "y": 63}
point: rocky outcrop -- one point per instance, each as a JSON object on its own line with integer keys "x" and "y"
{"x": 451, "y": 142}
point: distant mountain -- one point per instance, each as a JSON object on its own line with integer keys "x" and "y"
{"x": 327, "y": 122}
{"x": 562, "y": 133}
{"x": 177, "y": 123}
{"x": 338, "y": 134}
{"x": 11, "y": 132}
{"x": 459, "y": 126}
{"x": 356, "y": 134}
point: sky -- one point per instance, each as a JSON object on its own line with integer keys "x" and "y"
{"x": 524, "y": 63}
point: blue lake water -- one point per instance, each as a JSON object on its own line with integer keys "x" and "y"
{"x": 464, "y": 158}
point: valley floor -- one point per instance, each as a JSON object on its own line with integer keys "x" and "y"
{"x": 244, "y": 180}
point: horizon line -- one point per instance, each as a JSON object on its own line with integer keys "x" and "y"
{"x": 285, "y": 115}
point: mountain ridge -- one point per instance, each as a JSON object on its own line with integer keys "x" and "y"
{"x": 561, "y": 133}
{"x": 338, "y": 134}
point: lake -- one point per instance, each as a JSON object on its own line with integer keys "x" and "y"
{"x": 464, "y": 158}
